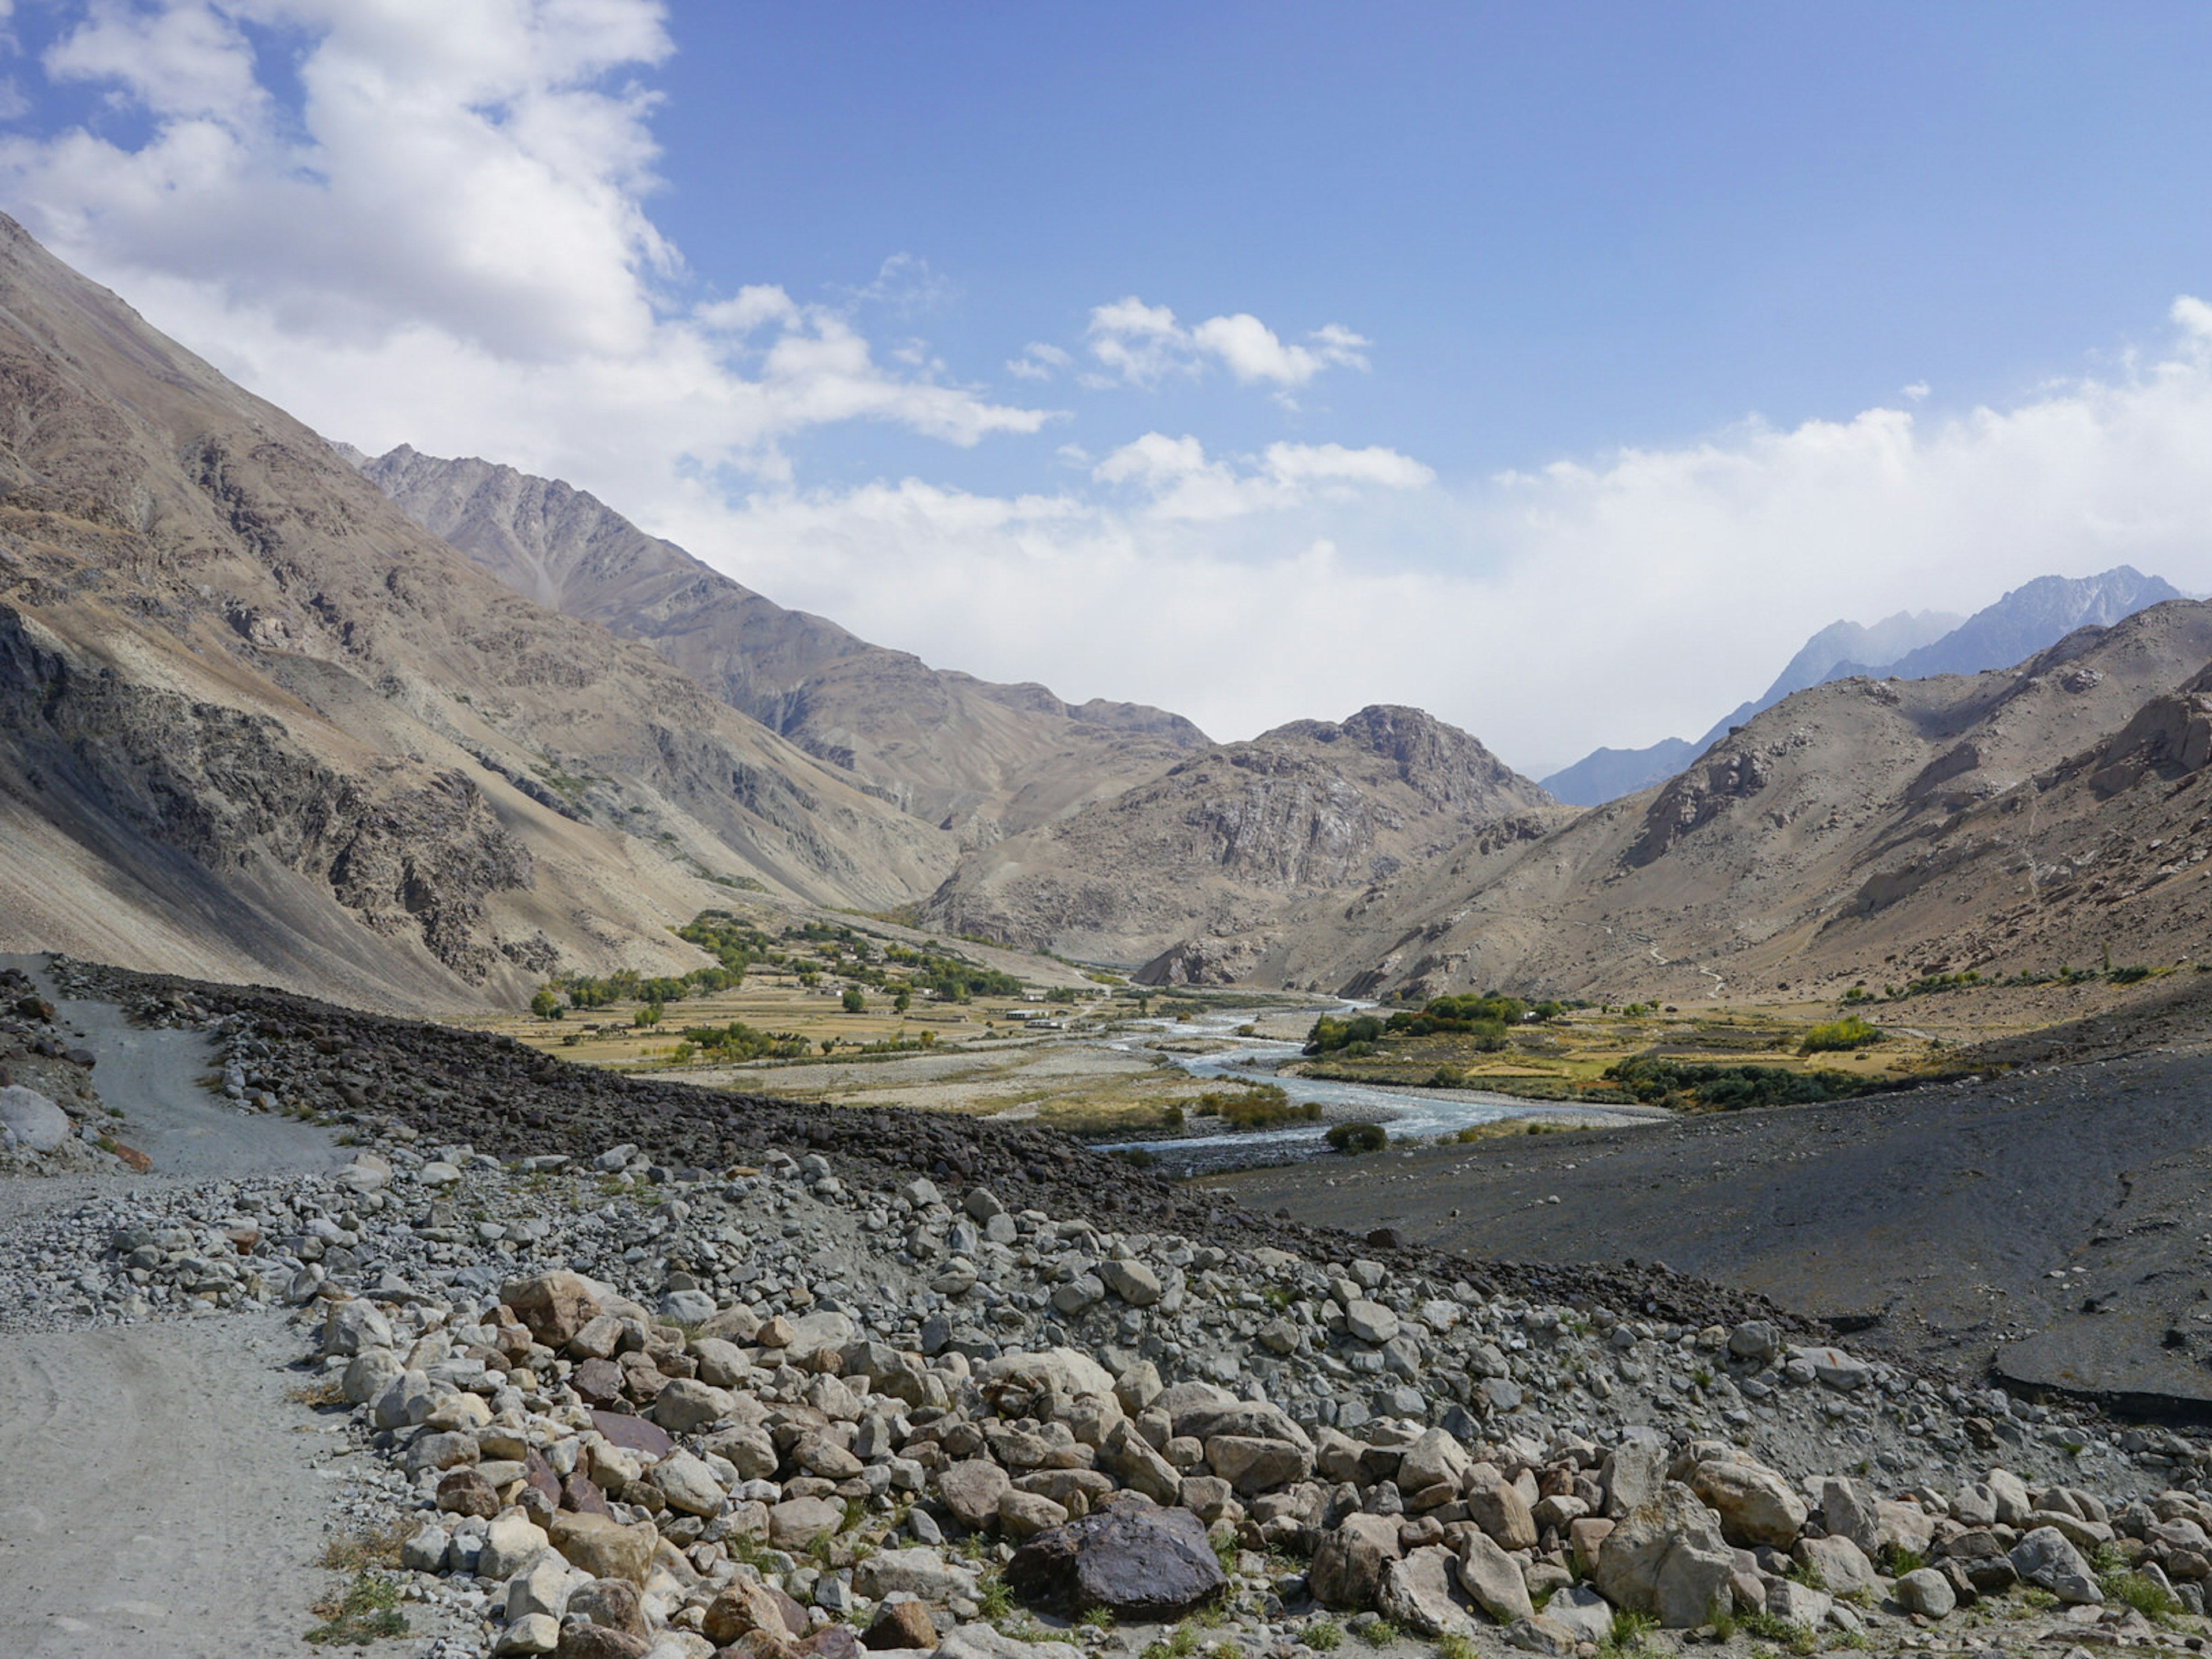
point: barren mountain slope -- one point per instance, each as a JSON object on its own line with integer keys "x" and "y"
{"x": 1863, "y": 829}
{"x": 1207, "y": 861}
{"x": 255, "y": 720}
{"x": 979, "y": 759}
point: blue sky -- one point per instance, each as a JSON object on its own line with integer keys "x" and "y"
{"x": 1557, "y": 368}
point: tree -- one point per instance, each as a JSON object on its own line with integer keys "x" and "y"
{"x": 545, "y": 1005}
{"x": 903, "y": 1000}
{"x": 648, "y": 1016}
{"x": 855, "y": 1002}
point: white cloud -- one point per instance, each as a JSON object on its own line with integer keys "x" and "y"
{"x": 1038, "y": 362}
{"x": 1182, "y": 483}
{"x": 447, "y": 241}
{"x": 1143, "y": 344}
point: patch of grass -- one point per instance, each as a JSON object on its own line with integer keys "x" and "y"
{"x": 367, "y": 1612}
{"x": 365, "y": 1547}
{"x": 1179, "y": 1644}
{"x": 326, "y": 1391}
{"x": 2041, "y": 1600}
{"x": 1808, "y": 1574}
{"x": 1629, "y": 1633}
{"x": 1026, "y": 1629}
{"x": 1896, "y": 1561}
{"x": 1794, "y": 1638}
{"x": 2141, "y": 1593}
{"x": 1097, "y": 1619}
{"x": 1380, "y": 1634}
{"x": 1456, "y": 1647}
{"x": 995, "y": 1600}
{"x": 1323, "y": 1636}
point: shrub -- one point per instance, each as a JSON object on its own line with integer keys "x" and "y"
{"x": 1323, "y": 1636}
{"x": 854, "y": 1002}
{"x": 1849, "y": 1032}
{"x": 1354, "y": 1138}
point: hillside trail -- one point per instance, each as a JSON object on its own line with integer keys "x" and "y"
{"x": 158, "y": 1494}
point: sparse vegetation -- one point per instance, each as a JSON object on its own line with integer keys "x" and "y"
{"x": 1839, "y": 1036}
{"x": 1354, "y": 1138}
{"x": 367, "y": 1612}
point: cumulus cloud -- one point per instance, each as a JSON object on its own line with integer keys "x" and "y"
{"x": 1182, "y": 483}
{"x": 1142, "y": 344}
{"x": 446, "y": 240}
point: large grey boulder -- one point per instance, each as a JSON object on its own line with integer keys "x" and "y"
{"x": 1667, "y": 1558}
{"x": 1631, "y": 1476}
{"x": 37, "y": 1123}
{"x": 2045, "y": 1559}
{"x": 1493, "y": 1579}
{"x": 1755, "y": 1504}
{"x": 1422, "y": 1593}
{"x": 1139, "y": 1561}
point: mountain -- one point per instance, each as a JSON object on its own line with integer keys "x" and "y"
{"x": 1198, "y": 873}
{"x": 973, "y": 758}
{"x": 256, "y": 723}
{"x": 1906, "y": 645}
{"x": 1861, "y": 830}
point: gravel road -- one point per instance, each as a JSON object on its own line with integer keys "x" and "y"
{"x": 157, "y": 1500}
{"x": 1946, "y": 1215}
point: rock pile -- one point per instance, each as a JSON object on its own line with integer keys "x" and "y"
{"x": 51, "y": 1120}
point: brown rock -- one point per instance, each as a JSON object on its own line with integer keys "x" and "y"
{"x": 597, "y": 1641}
{"x": 634, "y": 1434}
{"x": 1022, "y": 1515}
{"x": 1348, "y": 1563}
{"x": 580, "y": 1493}
{"x": 1500, "y": 1510}
{"x": 598, "y": 1382}
{"x": 760, "y": 1644}
{"x": 901, "y": 1625}
{"x": 603, "y": 1548}
{"x": 831, "y": 1641}
{"x": 743, "y": 1606}
{"x": 972, "y": 1490}
{"x": 553, "y": 1307}
{"x": 613, "y": 1602}
{"x": 798, "y": 1521}
{"x": 465, "y": 1492}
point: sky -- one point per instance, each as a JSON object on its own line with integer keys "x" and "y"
{"x": 1556, "y": 369}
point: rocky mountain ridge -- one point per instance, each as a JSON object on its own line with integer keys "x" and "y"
{"x": 1907, "y": 646}
{"x": 976, "y": 759}
{"x": 258, "y": 722}
{"x": 1233, "y": 843}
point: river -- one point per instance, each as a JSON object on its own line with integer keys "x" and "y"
{"x": 1410, "y": 1115}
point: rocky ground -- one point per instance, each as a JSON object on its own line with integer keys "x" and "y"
{"x": 595, "y": 1399}
{"x": 2051, "y": 1222}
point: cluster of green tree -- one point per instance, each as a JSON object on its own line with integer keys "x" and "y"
{"x": 1354, "y": 1138}
{"x": 950, "y": 977}
{"x": 1263, "y": 1106}
{"x": 627, "y": 985}
{"x": 739, "y": 1040}
{"x": 1657, "y": 1082}
{"x": 732, "y": 942}
{"x": 1839, "y": 1034}
{"x": 1485, "y": 1018}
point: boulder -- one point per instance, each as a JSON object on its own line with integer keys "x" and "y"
{"x": 1631, "y": 1476}
{"x": 1493, "y": 1579}
{"x": 686, "y": 1404}
{"x": 1583, "y": 1611}
{"x": 1434, "y": 1458}
{"x": 745, "y": 1605}
{"x": 923, "y": 1572}
{"x": 1253, "y": 1466}
{"x": 1847, "y": 1512}
{"x": 609, "y": 1603}
{"x": 1503, "y": 1513}
{"x": 1421, "y": 1594}
{"x": 721, "y": 1364}
{"x": 1755, "y": 1504}
{"x": 1924, "y": 1590}
{"x": 1348, "y": 1563}
{"x": 972, "y": 1490}
{"x": 798, "y": 1521}
{"x": 1133, "y": 1281}
{"x": 1903, "y": 1527}
{"x": 1370, "y": 1321}
{"x": 553, "y": 1307}
{"x": 354, "y": 1327}
{"x": 543, "y": 1586}
{"x": 688, "y": 1484}
{"x": 1667, "y": 1558}
{"x": 900, "y": 1625}
{"x": 2045, "y": 1559}
{"x": 1061, "y": 1370}
{"x": 1204, "y": 1419}
{"x": 1022, "y": 1515}
{"x": 1127, "y": 1455}
{"x": 1541, "y": 1633}
{"x": 535, "y": 1633}
{"x": 1841, "y": 1565}
{"x": 369, "y": 1374}
{"x": 37, "y": 1124}
{"x": 603, "y": 1546}
{"x": 511, "y": 1541}
{"x": 812, "y": 1332}
{"x": 1141, "y": 1562}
